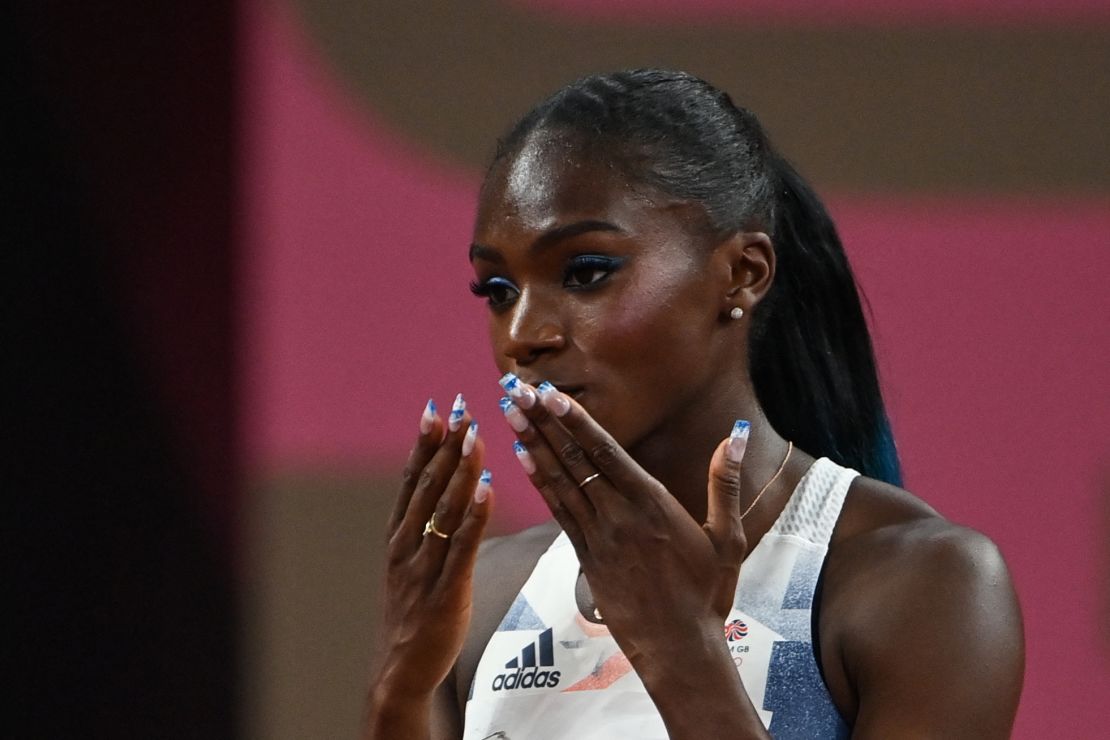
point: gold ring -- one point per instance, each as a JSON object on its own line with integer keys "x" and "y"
{"x": 430, "y": 528}
{"x": 589, "y": 478}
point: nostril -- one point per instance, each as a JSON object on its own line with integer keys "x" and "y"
{"x": 524, "y": 354}
{"x": 533, "y": 328}
{"x": 524, "y": 347}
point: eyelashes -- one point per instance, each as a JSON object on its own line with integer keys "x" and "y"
{"x": 497, "y": 291}
{"x": 587, "y": 270}
{"x": 581, "y": 273}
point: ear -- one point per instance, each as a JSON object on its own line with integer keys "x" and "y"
{"x": 749, "y": 259}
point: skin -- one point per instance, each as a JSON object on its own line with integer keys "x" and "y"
{"x": 919, "y": 629}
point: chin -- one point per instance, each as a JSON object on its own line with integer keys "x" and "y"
{"x": 595, "y": 409}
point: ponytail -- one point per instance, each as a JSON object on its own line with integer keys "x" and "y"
{"x": 812, "y": 361}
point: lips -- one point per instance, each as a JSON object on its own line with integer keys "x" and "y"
{"x": 571, "y": 389}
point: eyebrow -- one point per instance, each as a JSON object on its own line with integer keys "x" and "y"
{"x": 547, "y": 239}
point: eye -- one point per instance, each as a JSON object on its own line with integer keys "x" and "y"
{"x": 497, "y": 291}
{"x": 589, "y": 270}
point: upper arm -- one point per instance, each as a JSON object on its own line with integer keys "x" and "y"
{"x": 935, "y": 647}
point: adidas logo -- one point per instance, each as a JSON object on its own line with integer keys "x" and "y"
{"x": 529, "y": 670}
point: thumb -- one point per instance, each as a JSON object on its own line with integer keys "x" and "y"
{"x": 722, "y": 522}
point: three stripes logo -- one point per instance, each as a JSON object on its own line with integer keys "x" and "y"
{"x": 531, "y": 669}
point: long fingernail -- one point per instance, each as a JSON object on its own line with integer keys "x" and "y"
{"x": 516, "y": 418}
{"x": 738, "y": 440}
{"x": 428, "y": 418}
{"x": 481, "y": 493}
{"x": 524, "y": 457}
{"x": 555, "y": 401}
{"x": 458, "y": 408}
{"x": 470, "y": 438}
{"x": 524, "y": 397}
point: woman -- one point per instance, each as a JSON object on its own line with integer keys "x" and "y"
{"x": 644, "y": 250}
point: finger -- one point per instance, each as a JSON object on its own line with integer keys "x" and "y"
{"x": 547, "y": 472}
{"x": 431, "y": 433}
{"x": 452, "y": 505}
{"x": 559, "y": 510}
{"x": 459, "y": 564}
{"x": 601, "y": 450}
{"x": 431, "y": 483}
{"x": 723, "y": 522}
{"x": 567, "y": 450}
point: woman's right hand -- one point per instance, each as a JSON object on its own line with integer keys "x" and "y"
{"x": 429, "y": 575}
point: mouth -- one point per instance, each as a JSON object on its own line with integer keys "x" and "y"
{"x": 570, "y": 389}
{"x": 574, "y": 391}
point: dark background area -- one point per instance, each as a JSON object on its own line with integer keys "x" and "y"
{"x": 120, "y": 493}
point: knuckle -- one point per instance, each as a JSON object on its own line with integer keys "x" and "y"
{"x": 409, "y": 476}
{"x": 604, "y": 453}
{"x": 428, "y": 478}
{"x": 572, "y": 454}
{"x": 728, "y": 480}
{"x": 559, "y": 486}
{"x": 395, "y": 558}
{"x": 558, "y": 511}
{"x": 448, "y": 510}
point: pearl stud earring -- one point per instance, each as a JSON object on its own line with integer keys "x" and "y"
{"x": 736, "y": 313}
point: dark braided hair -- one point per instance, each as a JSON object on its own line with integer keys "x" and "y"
{"x": 811, "y": 358}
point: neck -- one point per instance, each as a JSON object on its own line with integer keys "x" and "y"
{"x": 678, "y": 454}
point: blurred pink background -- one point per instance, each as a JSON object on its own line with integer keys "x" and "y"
{"x": 989, "y": 317}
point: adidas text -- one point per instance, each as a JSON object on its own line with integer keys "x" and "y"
{"x": 531, "y": 669}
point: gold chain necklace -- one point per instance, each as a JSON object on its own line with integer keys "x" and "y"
{"x": 767, "y": 485}
{"x": 782, "y": 467}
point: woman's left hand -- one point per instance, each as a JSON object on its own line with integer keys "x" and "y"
{"x": 658, "y": 576}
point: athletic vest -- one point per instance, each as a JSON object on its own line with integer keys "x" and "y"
{"x": 549, "y": 673}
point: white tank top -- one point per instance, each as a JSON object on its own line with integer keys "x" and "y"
{"x": 549, "y": 673}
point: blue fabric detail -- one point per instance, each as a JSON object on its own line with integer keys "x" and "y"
{"x": 802, "y": 707}
{"x": 521, "y": 616}
{"x": 803, "y": 581}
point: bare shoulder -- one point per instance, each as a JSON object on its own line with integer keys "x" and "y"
{"x": 504, "y": 564}
{"x": 918, "y": 613}
{"x": 886, "y": 535}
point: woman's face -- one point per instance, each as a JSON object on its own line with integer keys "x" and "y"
{"x": 600, "y": 287}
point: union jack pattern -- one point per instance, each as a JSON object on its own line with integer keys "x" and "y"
{"x": 590, "y": 690}
{"x": 735, "y": 630}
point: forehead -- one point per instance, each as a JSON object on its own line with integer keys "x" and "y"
{"x": 551, "y": 180}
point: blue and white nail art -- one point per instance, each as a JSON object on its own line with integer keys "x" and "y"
{"x": 738, "y": 440}
{"x": 555, "y": 402}
{"x": 517, "y": 390}
{"x": 458, "y": 408}
{"x": 470, "y": 438}
{"x": 481, "y": 492}
{"x": 516, "y": 418}
{"x": 428, "y": 417}
{"x": 525, "y": 459}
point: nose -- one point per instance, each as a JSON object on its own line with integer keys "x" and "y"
{"x": 534, "y": 329}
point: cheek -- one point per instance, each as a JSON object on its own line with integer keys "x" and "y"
{"x": 651, "y": 332}
{"x": 495, "y": 330}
